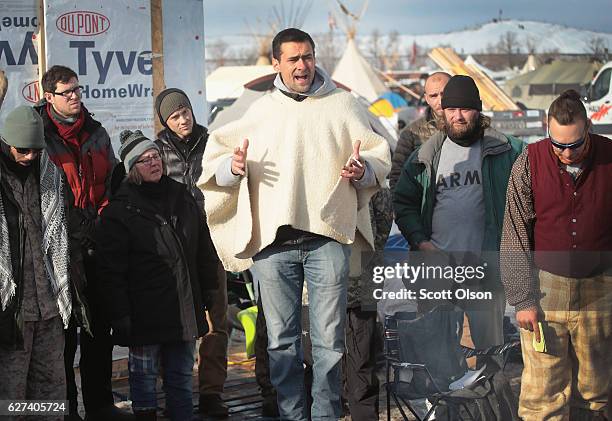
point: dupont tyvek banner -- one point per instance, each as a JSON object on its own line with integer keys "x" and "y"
{"x": 108, "y": 44}
{"x": 18, "y": 54}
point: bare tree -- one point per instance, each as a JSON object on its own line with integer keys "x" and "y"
{"x": 508, "y": 46}
{"x": 384, "y": 51}
{"x": 531, "y": 45}
{"x": 598, "y": 48}
{"x": 328, "y": 51}
{"x": 218, "y": 52}
{"x": 391, "y": 53}
{"x": 246, "y": 56}
{"x": 375, "y": 49}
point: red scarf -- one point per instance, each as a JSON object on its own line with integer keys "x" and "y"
{"x": 76, "y": 166}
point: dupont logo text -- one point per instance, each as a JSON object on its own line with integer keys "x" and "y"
{"x": 31, "y": 92}
{"x": 83, "y": 23}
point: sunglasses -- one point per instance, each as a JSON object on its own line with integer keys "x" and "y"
{"x": 25, "y": 151}
{"x": 564, "y": 146}
{"x": 68, "y": 92}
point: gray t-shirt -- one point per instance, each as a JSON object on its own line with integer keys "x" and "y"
{"x": 459, "y": 213}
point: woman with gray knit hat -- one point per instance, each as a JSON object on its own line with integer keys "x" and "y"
{"x": 158, "y": 264}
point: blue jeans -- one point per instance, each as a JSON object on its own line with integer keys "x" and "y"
{"x": 281, "y": 272}
{"x": 177, "y": 359}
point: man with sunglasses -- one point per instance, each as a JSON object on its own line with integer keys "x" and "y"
{"x": 35, "y": 296}
{"x": 556, "y": 266}
{"x": 81, "y": 148}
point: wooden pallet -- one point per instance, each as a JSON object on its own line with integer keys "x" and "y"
{"x": 493, "y": 97}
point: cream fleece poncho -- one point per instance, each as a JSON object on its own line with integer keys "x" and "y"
{"x": 295, "y": 155}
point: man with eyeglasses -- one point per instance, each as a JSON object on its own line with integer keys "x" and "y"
{"x": 81, "y": 148}
{"x": 556, "y": 266}
{"x": 35, "y": 294}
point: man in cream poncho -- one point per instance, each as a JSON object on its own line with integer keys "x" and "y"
{"x": 286, "y": 201}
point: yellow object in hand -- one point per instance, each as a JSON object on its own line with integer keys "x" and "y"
{"x": 539, "y": 346}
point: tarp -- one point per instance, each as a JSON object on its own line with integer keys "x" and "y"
{"x": 559, "y": 71}
{"x": 355, "y": 72}
{"x": 395, "y": 99}
{"x": 387, "y": 105}
{"x": 537, "y": 89}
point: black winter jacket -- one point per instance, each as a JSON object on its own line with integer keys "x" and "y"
{"x": 11, "y": 320}
{"x": 183, "y": 167}
{"x": 156, "y": 262}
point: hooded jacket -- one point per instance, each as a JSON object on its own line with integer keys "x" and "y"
{"x": 414, "y": 197}
{"x": 157, "y": 263}
{"x": 297, "y": 147}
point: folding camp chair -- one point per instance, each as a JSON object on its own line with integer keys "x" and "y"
{"x": 431, "y": 368}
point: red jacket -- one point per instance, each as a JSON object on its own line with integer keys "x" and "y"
{"x": 88, "y": 164}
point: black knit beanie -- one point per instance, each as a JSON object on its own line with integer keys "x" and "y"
{"x": 461, "y": 92}
{"x": 168, "y": 101}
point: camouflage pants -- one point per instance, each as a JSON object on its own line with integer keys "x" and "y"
{"x": 37, "y": 371}
{"x": 573, "y": 375}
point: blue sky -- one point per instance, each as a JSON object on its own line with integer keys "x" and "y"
{"x": 228, "y": 17}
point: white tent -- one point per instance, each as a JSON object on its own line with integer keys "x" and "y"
{"x": 228, "y": 81}
{"x": 355, "y": 72}
{"x": 530, "y": 65}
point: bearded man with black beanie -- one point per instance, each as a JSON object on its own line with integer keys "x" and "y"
{"x": 451, "y": 195}
{"x": 181, "y": 145}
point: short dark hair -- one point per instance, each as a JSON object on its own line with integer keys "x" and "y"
{"x": 56, "y": 74}
{"x": 290, "y": 35}
{"x": 567, "y": 108}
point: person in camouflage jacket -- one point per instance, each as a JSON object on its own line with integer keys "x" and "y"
{"x": 417, "y": 133}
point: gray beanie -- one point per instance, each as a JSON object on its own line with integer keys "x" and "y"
{"x": 133, "y": 144}
{"x": 24, "y": 128}
{"x": 168, "y": 101}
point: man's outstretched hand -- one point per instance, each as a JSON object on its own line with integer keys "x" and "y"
{"x": 239, "y": 158}
{"x": 355, "y": 167}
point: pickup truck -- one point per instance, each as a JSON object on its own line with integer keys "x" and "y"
{"x": 529, "y": 125}
{"x": 598, "y": 100}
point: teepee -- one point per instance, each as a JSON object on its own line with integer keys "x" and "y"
{"x": 353, "y": 70}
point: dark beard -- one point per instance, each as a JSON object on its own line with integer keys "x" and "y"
{"x": 464, "y": 136}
